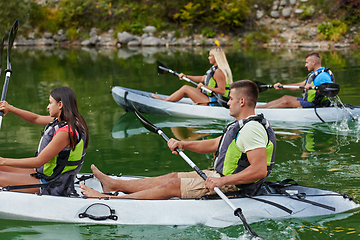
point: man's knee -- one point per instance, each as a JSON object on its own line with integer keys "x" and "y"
{"x": 172, "y": 187}
{"x": 288, "y": 98}
{"x": 172, "y": 175}
{"x": 291, "y": 103}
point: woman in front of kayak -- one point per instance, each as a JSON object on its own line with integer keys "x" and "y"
{"x": 61, "y": 150}
{"x": 217, "y": 79}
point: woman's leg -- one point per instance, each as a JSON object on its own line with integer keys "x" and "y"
{"x": 15, "y": 178}
{"x": 16, "y": 170}
{"x": 193, "y": 93}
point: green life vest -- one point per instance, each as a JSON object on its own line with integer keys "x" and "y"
{"x": 210, "y": 82}
{"x": 65, "y": 165}
{"x": 230, "y": 160}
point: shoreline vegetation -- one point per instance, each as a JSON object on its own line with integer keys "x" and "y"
{"x": 311, "y": 24}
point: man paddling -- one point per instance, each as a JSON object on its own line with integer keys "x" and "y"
{"x": 244, "y": 159}
{"x": 318, "y": 75}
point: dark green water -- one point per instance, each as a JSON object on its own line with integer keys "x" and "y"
{"x": 324, "y": 155}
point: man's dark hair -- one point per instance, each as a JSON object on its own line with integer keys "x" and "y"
{"x": 248, "y": 89}
{"x": 316, "y": 54}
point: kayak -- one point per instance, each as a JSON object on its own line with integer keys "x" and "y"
{"x": 277, "y": 201}
{"x": 185, "y": 108}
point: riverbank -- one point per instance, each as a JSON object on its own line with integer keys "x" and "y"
{"x": 287, "y": 24}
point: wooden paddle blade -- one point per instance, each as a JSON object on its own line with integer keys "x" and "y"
{"x": 329, "y": 89}
{"x": 161, "y": 68}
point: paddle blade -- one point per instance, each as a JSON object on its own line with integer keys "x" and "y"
{"x": 161, "y": 68}
{"x": 12, "y": 35}
{"x": 329, "y": 89}
{"x": 146, "y": 123}
{"x": 263, "y": 86}
{"x": 1, "y": 50}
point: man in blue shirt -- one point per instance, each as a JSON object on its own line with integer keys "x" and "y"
{"x": 318, "y": 75}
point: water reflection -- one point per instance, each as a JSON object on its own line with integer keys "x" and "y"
{"x": 183, "y": 128}
{"x": 319, "y": 138}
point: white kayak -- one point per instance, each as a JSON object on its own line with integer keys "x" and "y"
{"x": 185, "y": 108}
{"x": 283, "y": 201}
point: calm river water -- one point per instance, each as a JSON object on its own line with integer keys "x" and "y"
{"x": 324, "y": 155}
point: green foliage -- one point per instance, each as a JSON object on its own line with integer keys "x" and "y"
{"x": 10, "y": 11}
{"x": 256, "y": 37}
{"x": 307, "y": 13}
{"x": 187, "y": 17}
{"x": 136, "y": 28}
{"x": 221, "y": 13}
{"x": 357, "y": 37}
{"x": 72, "y": 34}
{"x": 177, "y": 33}
{"x": 208, "y": 32}
{"x": 333, "y": 30}
{"x": 352, "y": 9}
{"x": 230, "y": 13}
{"x": 189, "y": 12}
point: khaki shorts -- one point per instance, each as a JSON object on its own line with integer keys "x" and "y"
{"x": 193, "y": 186}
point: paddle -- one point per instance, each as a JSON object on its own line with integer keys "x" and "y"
{"x": 162, "y": 69}
{"x": 237, "y": 211}
{"x": 1, "y": 50}
{"x": 326, "y": 89}
{"x": 8, "y": 71}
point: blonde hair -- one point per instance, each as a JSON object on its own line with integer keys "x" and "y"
{"x": 222, "y": 63}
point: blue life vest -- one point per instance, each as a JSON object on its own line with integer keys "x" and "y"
{"x": 313, "y": 95}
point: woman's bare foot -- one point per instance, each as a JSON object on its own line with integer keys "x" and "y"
{"x": 156, "y": 96}
{"x": 105, "y": 180}
{"x": 89, "y": 192}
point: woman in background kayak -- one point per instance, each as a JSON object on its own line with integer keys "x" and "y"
{"x": 61, "y": 150}
{"x": 217, "y": 79}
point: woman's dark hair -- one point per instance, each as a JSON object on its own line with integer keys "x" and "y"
{"x": 70, "y": 114}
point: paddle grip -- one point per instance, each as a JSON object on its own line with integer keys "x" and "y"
{"x": 6, "y": 84}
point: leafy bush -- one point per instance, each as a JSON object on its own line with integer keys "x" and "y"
{"x": 208, "y": 32}
{"x": 10, "y": 11}
{"x": 357, "y": 37}
{"x": 307, "y": 13}
{"x": 333, "y": 30}
{"x": 352, "y": 9}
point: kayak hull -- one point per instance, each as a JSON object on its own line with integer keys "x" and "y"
{"x": 214, "y": 212}
{"x": 187, "y": 109}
